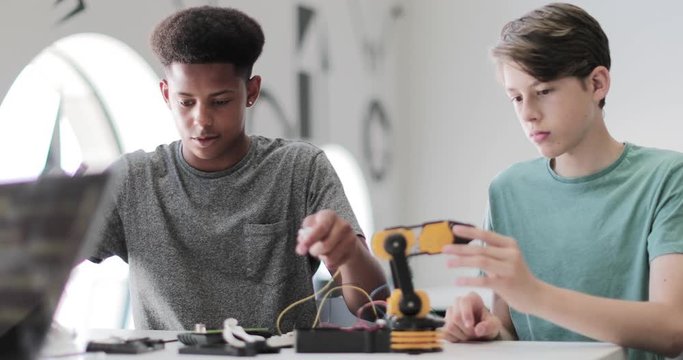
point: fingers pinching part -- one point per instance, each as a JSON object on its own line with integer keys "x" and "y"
{"x": 303, "y": 240}
{"x": 305, "y": 232}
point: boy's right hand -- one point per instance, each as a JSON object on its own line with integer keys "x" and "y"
{"x": 468, "y": 319}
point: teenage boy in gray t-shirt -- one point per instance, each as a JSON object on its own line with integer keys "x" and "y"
{"x": 210, "y": 223}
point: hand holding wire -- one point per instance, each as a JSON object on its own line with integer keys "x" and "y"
{"x": 327, "y": 291}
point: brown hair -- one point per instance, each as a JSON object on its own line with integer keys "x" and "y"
{"x": 554, "y": 41}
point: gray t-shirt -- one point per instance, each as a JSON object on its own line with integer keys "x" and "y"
{"x": 205, "y": 246}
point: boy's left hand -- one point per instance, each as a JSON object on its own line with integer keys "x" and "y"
{"x": 328, "y": 237}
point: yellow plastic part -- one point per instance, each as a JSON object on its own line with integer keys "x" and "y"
{"x": 435, "y": 236}
{"x": 416, "y": 340}
{"x": 415, "y": 335}
{"x": 429, "y": 346}
{"x": 393, "y": 308}
{"x": 393, "y": 301}
{"x": 380, "y": 237}
{"x": 426, "y": 304}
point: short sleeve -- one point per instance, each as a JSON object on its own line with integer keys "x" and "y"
{"x": 666, "y": 235}
{"x": 325, "y": 191}
{"x": 111, "y": 237}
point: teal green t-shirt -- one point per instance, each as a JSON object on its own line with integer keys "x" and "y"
{"x": 595, "y": 234}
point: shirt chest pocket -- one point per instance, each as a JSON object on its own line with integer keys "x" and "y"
{"x": 269, "y": 252}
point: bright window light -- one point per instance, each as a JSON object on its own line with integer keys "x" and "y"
{"x": 128, "y": 87}
{"x": 105, "y": 101}
{"x": 26, "y": 129}
{"x": 72, "y": 157}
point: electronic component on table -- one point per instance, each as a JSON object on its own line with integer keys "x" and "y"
{"x": 208, "y": 338}
{"x": 282, "y": 341}
{"x": 125, "y": 346}
{"x": 412, "y": 328}
{"x": 233, "y": 340}
{"x": 333, "y": 340}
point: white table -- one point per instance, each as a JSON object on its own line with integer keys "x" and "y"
{"x": 479, "y": 350}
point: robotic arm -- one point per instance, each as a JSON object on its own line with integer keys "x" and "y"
{"x": 412, "y": 330}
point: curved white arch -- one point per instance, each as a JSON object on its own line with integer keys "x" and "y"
{"x": 104, "y": 96}
{"x": 104, "y": 100}
{"x": 355, "y": 187}
{"x": 127, "y": 86}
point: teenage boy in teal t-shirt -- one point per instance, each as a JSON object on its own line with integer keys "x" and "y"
{"x": 587, "y": 241}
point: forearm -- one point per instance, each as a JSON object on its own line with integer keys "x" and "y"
{"x": 653, "y": 326}
{"x": 361, "y": 270}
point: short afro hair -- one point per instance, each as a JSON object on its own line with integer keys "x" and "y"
{"x": 209, "y": 34}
